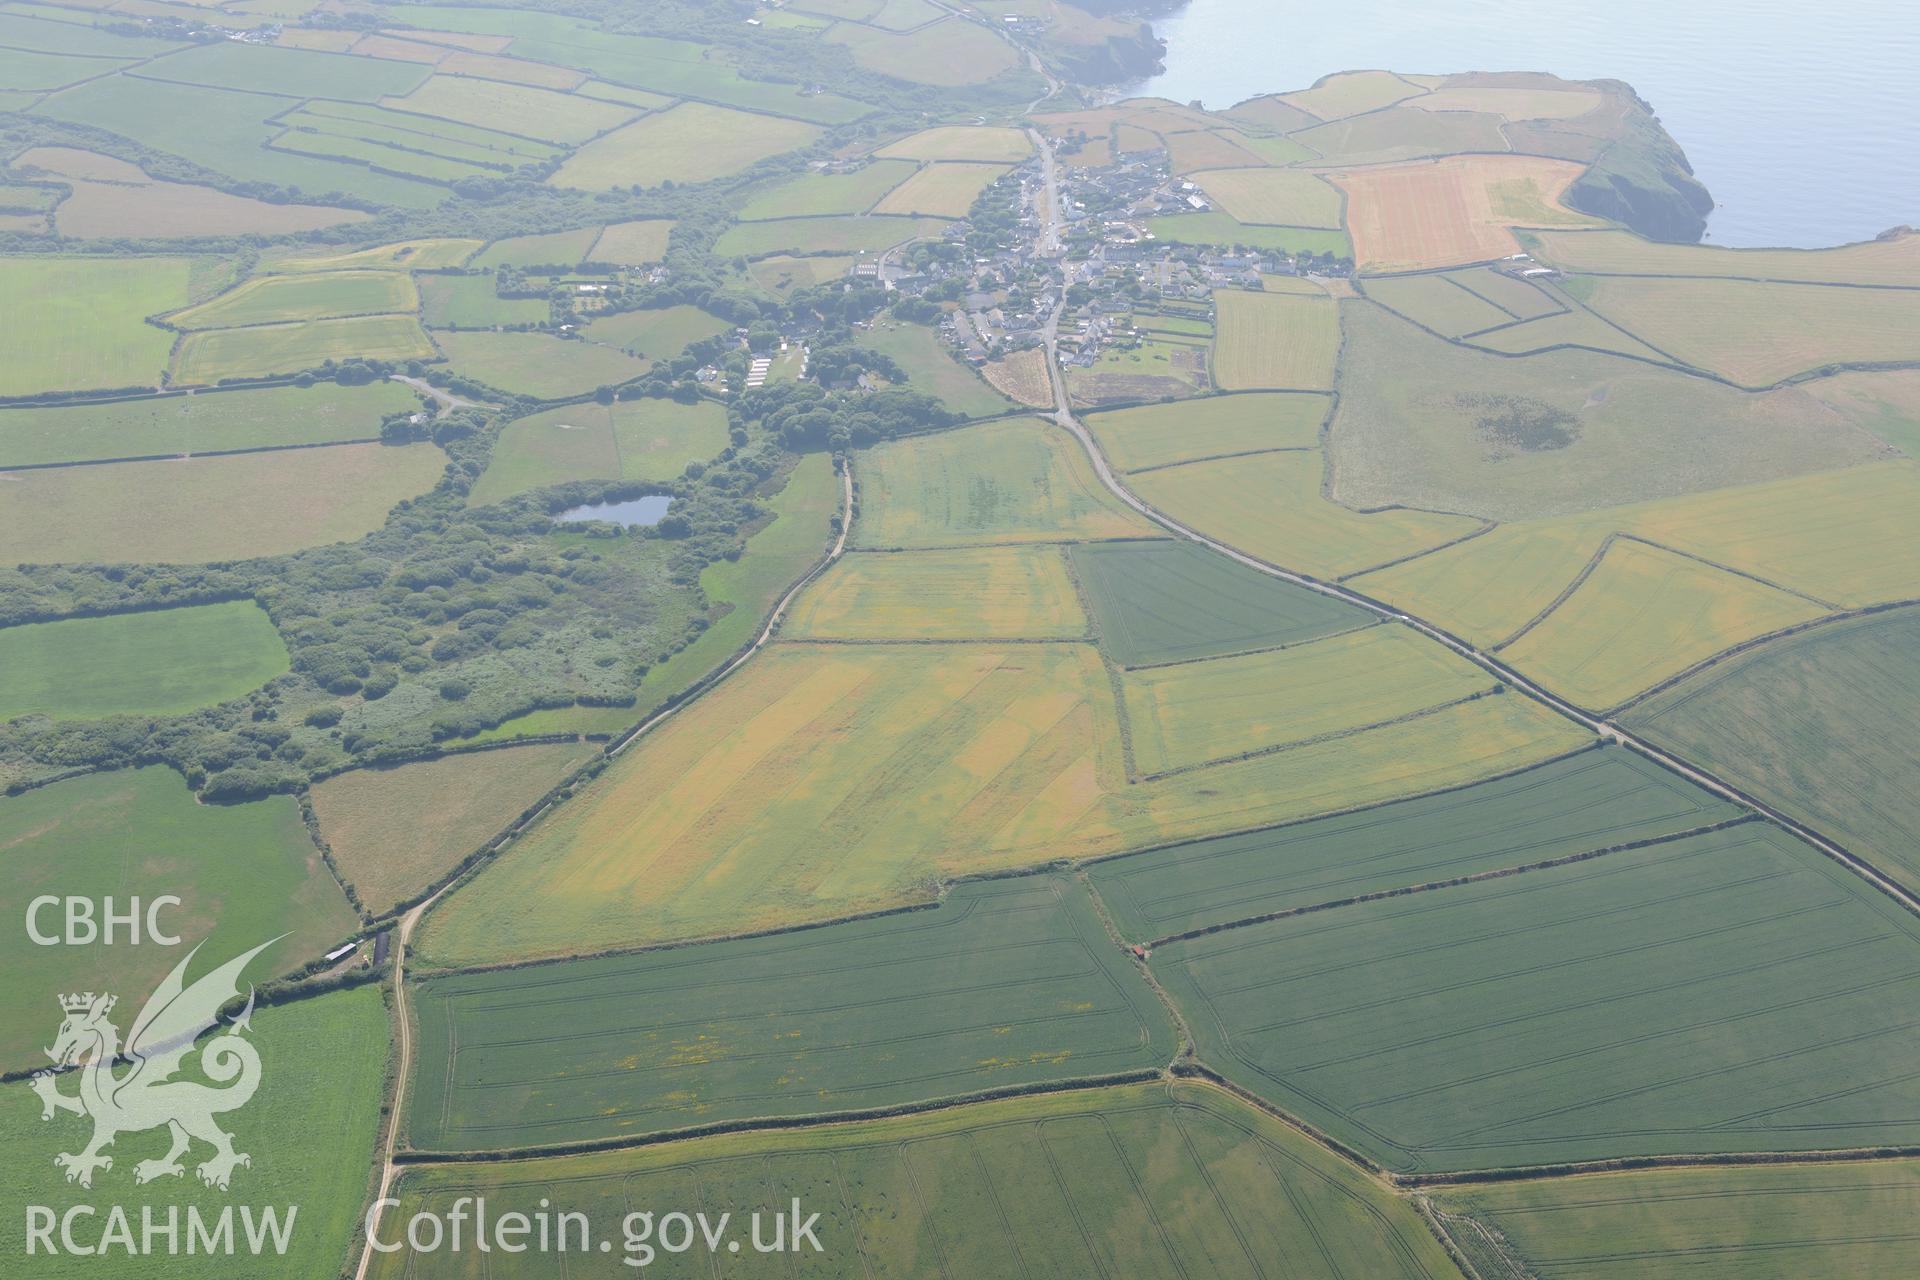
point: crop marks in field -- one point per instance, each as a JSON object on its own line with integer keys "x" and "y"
{"x": 975, "y": 594}
{"x": 1278, "y": 340}
{"x": 280, "y": 299}
{"x": 1461, "y": 209}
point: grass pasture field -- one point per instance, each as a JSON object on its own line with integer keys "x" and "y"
{"x": 564, "y": 249}
{"x": 1577, "y": 328}
{"x": 1274, "y": 340}
{"x": 161, "y": 662}
{"x": 782, "y": 275}
{"x": 947, "y": 54}
{"x": 1283, "y": 197}
{"x": 1001, "y": 482}
{"x": 311, "y": 1131}
{"x": 990, "y": 594}
{"x": 1349, "y": 93}
{"x": 659, "y": 335}
{"x": 469, "y": 302}
{"x": 820, "y": 195}
{"x": 1885, "y": 402}
{"x": 244, "y": 873}
{"x": 403, "y": 255}
{"x": 295, "y": 73}
{"x": 536, "y": 365}
{"x": 1820, "y": 724}
{"x": 1511, "y": 103}
{"x": 1175, "y": 601}
{"x": 1783, "y": 1222}
{"x": 834, "y": 236}
{"x": 945, "y": 190}
{"x": 1402, "y": 133}
{"x": 980, "y": 143}
{"x": 563, "y": 118}
{"x": 394, "y": 831}
{"x": 1728, "y": 991}
{"x": 280, "y": 299}
{"x": 1192, "y": 713}
{"x": 689, "y": 142}
{"x": 931, "y": 368}
{"x": 199, "y": 509}
{"x": 1594, "y": 799}
{"x": 638, "y": 243}
{"x": 87, "y": 326}
{"x": 1147, "y": 1180}
{"x": 1006, "y": 983}
{"x": 1461, "y": 209}
{"x": 208, "y": 356}
{"x": 203, "y": 422}
{"x": 1438, "y": 302}
{"x": 1893, "y": 261}
{"x": 641, "y": 439}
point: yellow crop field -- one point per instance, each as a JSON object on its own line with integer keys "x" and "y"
{"x": 691, "y": 142}
{"x": 1192, "y": 712}
{"x": 404, "y": 255}
{"x": 1758, "y": 334}
{"x": 1350, "y": 93}
{"x": 265, "y": 349}
{"x": 1643, "y": 615}
{"x": 1893, "y": 261}
{"x": 976, "y": 594}
{"x": 1269, "y": 505}
{"x": 1488, "y": 588}
{"x": 1460, "y": 209}
{"x": 1024, "y": 376}
{"x": 1277, "y": 340}
{"x": 1282, "y": 197}
{"x": 980, "y": 143}
{"x": 1159, "y": 435}
{"x": 1018, "y": 481}
{"x": 945, "y": 190}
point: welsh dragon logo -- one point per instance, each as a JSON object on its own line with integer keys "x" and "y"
{"x": 145, "y": 1095}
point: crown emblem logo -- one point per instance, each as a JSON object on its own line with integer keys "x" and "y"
{"x": 80, "y": 1003}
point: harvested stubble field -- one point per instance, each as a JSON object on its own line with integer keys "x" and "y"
{"x": 146, "y": 208}
{"x": 262, "y": 351}
{"x": 944, "y": 190}
{"x": 1023, "y": 376}
{"x": 281, "y": 298}
{"x": 538, "y": 113}
{"x": 1731, "y": 991}
{"x": 689, "y": 142}
{"x": 1190, "y": 713}
{"x": 962, "y": 142}
{"x": 1140, "y": 1181}
{"x": 1594, "y": 799}
{"x": 1175, "y": 601}
{"x": 87, "y": 327}
{"x": 821, "y": 235}
{"x": 1893, "y": 261}
{"x": 533, "y": 364}
{"x": 229, "y": 508}
{"x": 1409, "y": 217}
{"x": 815, "y": 195}
{"x": 1008, "y": 983}
{"x": 976, "y": 594}
{"x": 1284, "y": 197}
{"x": 1212, "y": 427}
{"x": 1274, "y": 340}
{"x": 1019, "y": 481}
{"x": 641, "y": 439}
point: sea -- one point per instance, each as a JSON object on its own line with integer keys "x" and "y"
{"x": 1802, "y": 119}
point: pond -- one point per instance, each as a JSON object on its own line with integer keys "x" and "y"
{"x": 649, "y": 510}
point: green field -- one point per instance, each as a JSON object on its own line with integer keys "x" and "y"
{"x": 1019, "y": 481}
{"x": 1274, "y": 340}
{"x": 631, "y": 440}
{"x": 1213, "y": 427}
{"x": 261, "y": 351}
{"x": 1791, "y": 1222}
{"x": 538, "y": 366}
{"x": 654, "y": 336}
{"x": 231, "y": 508}
{"x": 948, "y": 53}
{"x": 161, "y": 662}
{"x": 975, "y": 594}
{"x": 962, "y": 142}
{"x": 1895, "y": 260}
{"x": 690, "y": 142}
{"x": 511, "y": 108}
{"x": 310, "y": 1130}
{"x": 633, "y": 244}
{"x": 931, "y": 368}
{"x": 430, "y": 134}
{"x": 1166, "y": 601}
{"x": 1009, "y": 983}
{"x": 395, "y": 831}
{"x": 1276, "y": 197}
{"x": 1153, "y": 1181}
{"x": 1440, "y": 302}
{"x": 1404, "y": 133}
{"x": 86, "y": 328}
{"x": 1223, "y": 230}
{"x": 294, "y": 73}
{"x": 1569, "y": 329}
{"x": 1594, "y": 799}
{"x": 566, "y": 249}
{"x": 244, "y": 873}
{"x": 469, "y": 302}
{"x": 1732, "y": 991}
{"x": 1820, "y": 724}
{"x": 783, "y": 275}
{"x": 279, "y": 299}
{"x": 205, "y": 422}
{"x": 431, "y": 254}
{"x": 941, "y": 190}
{"x": 822, "y": 235}
{"x": 814, "y": 195}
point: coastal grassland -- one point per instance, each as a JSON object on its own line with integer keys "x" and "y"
{"x": 225, "y": 508}
{"x": 826, "y": 779}
{"x": 1730, "y": 991}
{"x": 403, "y": 255}
{"x": 1175, "y": 601}
{"x": 469, "y": 302}
{"x": 1776, "y": 1222}
{"x": 782, "y": 275}
{"x": 689, "y": 142}
{"x": 1403, "y": 133}
{"x": 1595, "y": 799}
{"x": 311, "y": 1130}
{"x": 1892, "y": 261}
{"x": 1286, "y": 197}
{"x": 816, "y": 195}
{"x": 962, "y": 142}
{"x": 259, "y": 351}
{"x": 1513, "y": 103}
{"x": 1269, "y": 505}
{"x": 1348, "y": 93}
{"x": 1820, "y": 724}
{"x": 1642, "y": 615}
{"x": 243, "y": 873}
{"x": 948, "y": 53}
{"x": 1439, "y": 303}
{"x": 394, "y": 831}
{"x": 86, "y": 327}
{"x": 1190, "y": 713}
{"x": 555, "y": 248}
{"x": 629, "y": 440}
{"x": 536, "y": 365}
{"x": 1885, "y": 402}
{"x": 633, "y": 244}
{"x": 1223, "y": 230}
{"x": 1758, "y": 334}
{"x": 821, "y": 235}
{"x": 278, "y": 299}
{"x": 932, "y": 369}
{"x": 1274, "y": 340}
{"x": 1575, "y": 328}
{"x": 295, "y": 73}
{"x": 1460, "y": 209}
{"x": 1428, "y": 423}
{"x": 976, "y": 594}
{"x": 1018, "y": 481}
{"x": 656, "y": 335}
{"x": 204, "y": 422}
{"x": 1149, "y": 1180}
{"x": 1007, "y": 983}
{"x": 531, "y": 112}
{"x": 162, "y": 662}
{"x": 945, "y": 190}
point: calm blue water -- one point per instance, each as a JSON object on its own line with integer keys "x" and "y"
{"x": 1803, "y": 119}
{"x": 648, "y": 510}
